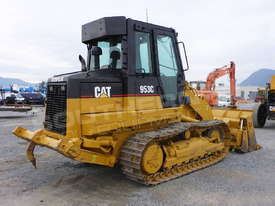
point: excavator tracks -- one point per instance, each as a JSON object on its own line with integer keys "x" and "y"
{"x": 133, "y": 150}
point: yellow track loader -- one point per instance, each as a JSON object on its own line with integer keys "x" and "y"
{"x": 130, "y": 105}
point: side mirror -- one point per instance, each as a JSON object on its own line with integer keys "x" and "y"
{"x": 96, "y": 52}
{"x": 83, "y": 63}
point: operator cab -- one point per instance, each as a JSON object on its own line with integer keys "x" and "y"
{"x": 127, "y": 58}
{"x": 146, "y": 56}
{"x": 135, "y": 64}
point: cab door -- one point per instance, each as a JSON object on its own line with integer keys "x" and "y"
{"x": 169, "y": 68}
{"x": 147, "y": 84}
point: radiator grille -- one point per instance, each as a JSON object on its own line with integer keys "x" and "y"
{"x": 55, "y": 119}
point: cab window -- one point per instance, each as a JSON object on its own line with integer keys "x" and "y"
{"x": 108, "y": 47}
{"x": 167, "y": 59}
{"x": 168, "y": 68}
{"x": 143, "y": 53}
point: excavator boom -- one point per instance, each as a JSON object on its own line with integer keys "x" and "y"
{"x": 219, "y": 72}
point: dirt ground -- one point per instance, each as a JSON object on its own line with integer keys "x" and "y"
{"x": 240, "y": 179}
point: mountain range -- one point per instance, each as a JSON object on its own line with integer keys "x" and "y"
{"x": 6, "y": 82}
{"x": 258, "y": 78}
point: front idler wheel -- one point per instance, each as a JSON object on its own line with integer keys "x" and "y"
{"x": 152, "y": 159}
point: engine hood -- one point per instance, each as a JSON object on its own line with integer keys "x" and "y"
{"x": 103, "y": 75}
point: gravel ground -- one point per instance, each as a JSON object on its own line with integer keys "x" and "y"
{"x": 240, "y": 179}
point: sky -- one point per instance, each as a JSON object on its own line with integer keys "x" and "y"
{"x": 41, "y": 38}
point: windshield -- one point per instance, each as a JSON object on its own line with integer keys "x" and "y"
{"x": 107, "y": 60}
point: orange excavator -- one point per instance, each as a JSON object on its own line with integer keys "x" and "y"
{"x": 207, "y": 89}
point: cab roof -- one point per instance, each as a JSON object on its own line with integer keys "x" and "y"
{"x": 110, "y": 26}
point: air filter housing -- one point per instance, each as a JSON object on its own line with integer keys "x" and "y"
{"x": 107, "y": 26}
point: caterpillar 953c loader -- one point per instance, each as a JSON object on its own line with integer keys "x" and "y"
{"x": 130, "y": 105}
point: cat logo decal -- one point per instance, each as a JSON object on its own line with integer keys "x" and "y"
{"x": 102, "y": 92}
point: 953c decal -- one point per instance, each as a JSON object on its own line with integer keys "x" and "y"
{"x": 146, "y": 89}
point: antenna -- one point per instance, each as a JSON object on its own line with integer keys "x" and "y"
{"x": 147, "y": 15}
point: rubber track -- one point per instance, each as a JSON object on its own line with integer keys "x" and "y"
{"x": 132, "y": 151}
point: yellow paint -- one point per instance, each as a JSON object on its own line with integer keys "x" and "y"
{"x": 99, "y": 105}
{"x": 198, "y": 104}
{"x": 183, "y": 151}
{"x": 73, "y": 118}
{"x": 240, "y": 123}
{"x": 105, "y": 118}
{"x": 272, "y": 83}
{"x": 152, "y": 159}
{"x": 147, "y": 103}
{"x": 98, "y": 127}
